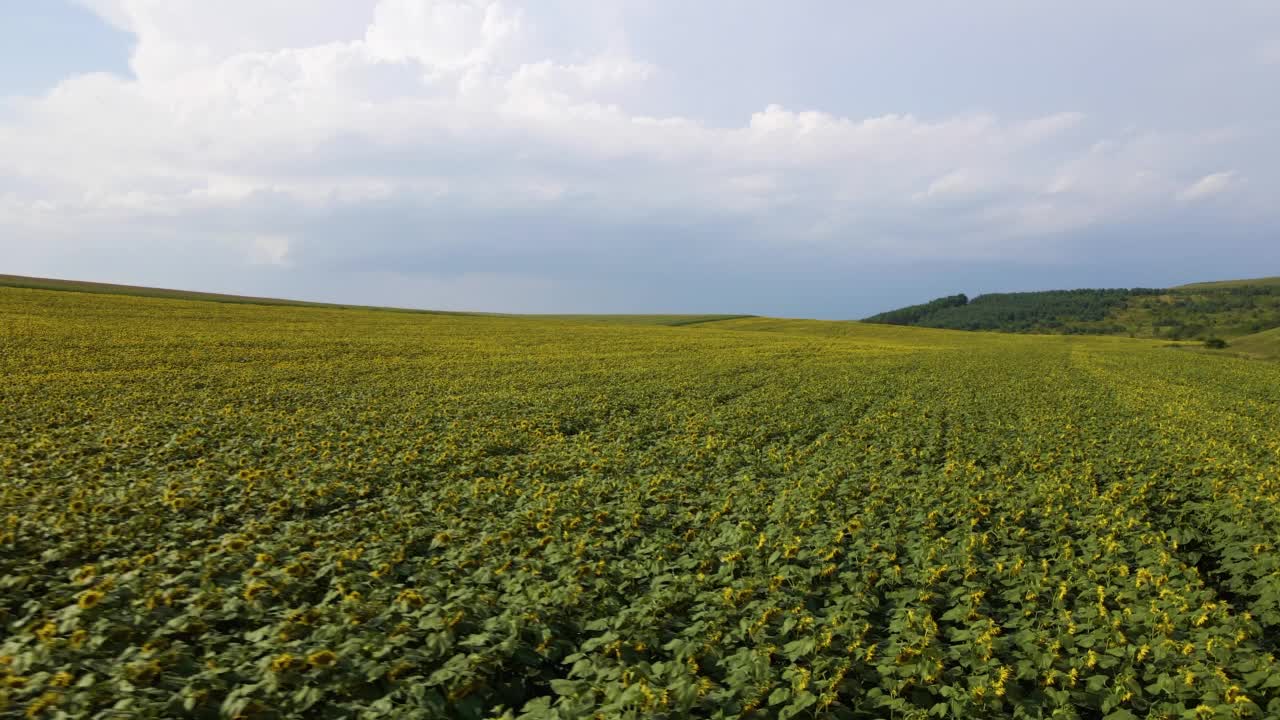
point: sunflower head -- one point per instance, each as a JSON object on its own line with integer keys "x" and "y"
{"x": 46, "y": 631}
{"x": 85, "y": 574}
{"x": 255, "y": 589}
{"x": 411, "y": 598}
{"x": 90, "y": 599}
{"x": 143, "y": 673}
{"x": 45, "y": 702}
{"x": 322, "y": 658}
{"x": 286, "y": 661}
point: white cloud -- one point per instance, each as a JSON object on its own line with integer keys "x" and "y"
{"x": 270, "y": 250}
{"x": 442, "y": 35}
{"x": 261, "y": 109}
{"x": 1208, "y": 186}
{"x": 957, "y": 183}
{"x": 1050, "y": 126}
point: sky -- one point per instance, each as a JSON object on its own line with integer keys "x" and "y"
{"x": 826, "y": 159}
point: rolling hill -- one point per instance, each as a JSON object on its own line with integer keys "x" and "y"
{"x": 80, "y": 286}
{"x": 1199, "y": 311}
{"x": 1264, "y": 345}
{"x": 1219, "y": 284}
{"x": 99, "y": 288}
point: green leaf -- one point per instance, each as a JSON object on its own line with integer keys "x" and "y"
{"x": 564, "y": 687}
{"x": 800, "y": 702}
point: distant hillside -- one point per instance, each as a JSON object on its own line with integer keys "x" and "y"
{"x": 1265, "y": 344}
{"x": 1218, "y": 284}
{"x": 1051, "y": 311}
{"x": 82, "y": 286}
{"x": 36, "y": 283}
{"x": 920, "y": 314}
{"x": 1190, "y": 312}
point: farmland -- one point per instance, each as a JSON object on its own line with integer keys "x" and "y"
{"x": 213, "y": 509}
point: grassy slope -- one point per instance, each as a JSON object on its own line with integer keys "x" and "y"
{"x": 1216, "y": 284}
{"x": 1219, "y": 311}
{"x": 1264, "y": 345}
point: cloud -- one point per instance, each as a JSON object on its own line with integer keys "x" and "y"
{"x": 434, "y": 125}
{"x": 955, "y": 183}
{"x": 1209, "y": 186}
{"x": 442, "y": 36}
{"x": 270, "y": 250}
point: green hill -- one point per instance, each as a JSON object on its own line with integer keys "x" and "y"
{"x": 1264, "y": 345}
{"x": 1190, "y": 312}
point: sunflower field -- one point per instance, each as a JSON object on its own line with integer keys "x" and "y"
{"x": 240, "y": 511}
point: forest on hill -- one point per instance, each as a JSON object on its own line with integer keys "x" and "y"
{"x": 1192, "y": 312}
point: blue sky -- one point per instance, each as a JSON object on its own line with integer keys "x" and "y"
{"x": 43, "y": 42}
{"x": 821, "y": 159}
